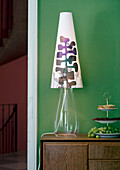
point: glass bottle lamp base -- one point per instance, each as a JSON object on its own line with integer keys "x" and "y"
{"x": 66, "y": 134}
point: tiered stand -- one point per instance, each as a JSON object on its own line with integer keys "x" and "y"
{"x": 109, "y": 135}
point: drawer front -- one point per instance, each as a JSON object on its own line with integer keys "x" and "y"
{"x": 104, "y": 150}
{"x": 64, "y": 156}
{"x": 104, "y": 165}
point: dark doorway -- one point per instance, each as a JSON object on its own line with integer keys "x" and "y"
{"x": 13, "y": 84}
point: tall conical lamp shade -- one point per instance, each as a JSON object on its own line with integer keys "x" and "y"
{"x": 66, "y": 75}
{"x": 66, "y": 62}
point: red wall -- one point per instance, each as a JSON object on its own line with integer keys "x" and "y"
{"x": 13, "y": 89}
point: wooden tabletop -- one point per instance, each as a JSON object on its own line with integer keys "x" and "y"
{"x": 80, "y": 137}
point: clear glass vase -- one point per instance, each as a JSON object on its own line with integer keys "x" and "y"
{"x": 66, "y": 123}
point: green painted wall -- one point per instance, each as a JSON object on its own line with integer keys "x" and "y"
{"x": 97, "y": 27}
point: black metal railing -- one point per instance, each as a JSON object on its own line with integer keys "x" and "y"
{"x": 8, "y": 128}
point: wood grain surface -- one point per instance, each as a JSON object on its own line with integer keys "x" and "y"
{"x": 80, "y": 137}
{"x": 79, "y": 153}
{"x": 104, "y": 150}
{"x": 104, "y": 165}
{"x": 64, "y": 156}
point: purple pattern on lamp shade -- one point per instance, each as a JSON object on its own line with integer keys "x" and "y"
{"x": 69, "y": 48}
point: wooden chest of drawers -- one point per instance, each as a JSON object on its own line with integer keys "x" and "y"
{"x": 81, "y": 153}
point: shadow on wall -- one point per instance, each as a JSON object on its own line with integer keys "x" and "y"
{"x": 14, "y": 42}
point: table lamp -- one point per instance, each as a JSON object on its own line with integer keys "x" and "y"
{"x": 66, "y": 75}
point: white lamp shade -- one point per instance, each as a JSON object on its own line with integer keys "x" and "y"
{"x": 66, "y": 67}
